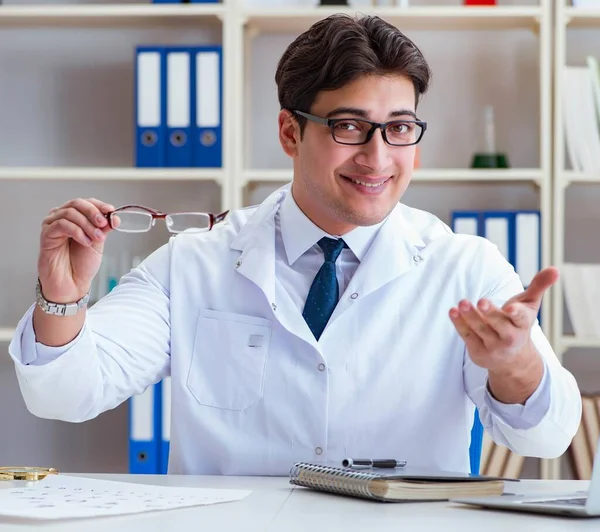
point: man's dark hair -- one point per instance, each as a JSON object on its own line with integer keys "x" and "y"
{"x": 339, "y": 49}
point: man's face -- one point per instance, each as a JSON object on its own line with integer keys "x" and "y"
{"x": 326, "y": 173}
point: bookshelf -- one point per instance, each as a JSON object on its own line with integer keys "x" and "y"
{"x": 111, "y": 174}
{"x": 109, "y": 16}
{"x": 568, "y": 21}
{"x": 238, "y": 25}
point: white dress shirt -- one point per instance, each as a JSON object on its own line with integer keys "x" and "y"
{"x": 389, "y": 376}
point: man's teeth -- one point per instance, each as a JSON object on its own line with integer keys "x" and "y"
{"x": 366, "y": 184}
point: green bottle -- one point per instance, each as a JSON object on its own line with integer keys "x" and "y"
{"x": 489, "y": 158}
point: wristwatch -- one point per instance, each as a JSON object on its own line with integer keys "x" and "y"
{"x": 59, "y": 309}
{"x": 26, "y": 472}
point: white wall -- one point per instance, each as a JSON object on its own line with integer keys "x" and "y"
{"x": 66, "y": 99}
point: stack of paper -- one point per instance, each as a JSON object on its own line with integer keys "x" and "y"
{"x": 63, "y": 496}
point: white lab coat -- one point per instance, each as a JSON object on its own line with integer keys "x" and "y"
{"x": 253, "y": 392}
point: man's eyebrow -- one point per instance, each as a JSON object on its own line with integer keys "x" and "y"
{"x": 355, "y": 111}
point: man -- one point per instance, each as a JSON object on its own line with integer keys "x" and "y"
{"x": 331, "y": 321}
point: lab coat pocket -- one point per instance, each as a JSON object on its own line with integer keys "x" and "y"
{"x": 228, "y": 365}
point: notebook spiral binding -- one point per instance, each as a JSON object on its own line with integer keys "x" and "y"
{"x": 332, "y": 479}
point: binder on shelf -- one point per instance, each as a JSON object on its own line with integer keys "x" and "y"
{"x": 516, "y": 233}
{"x": 179, "y": 108}
{"x": 497, "y": 228}
{"x": 466, "y": 222}
{"x": 165, "y": 425}
{"x": 144, "y": 431}
{"x": 150, "y": 80}
{"x": 207, "y": 105}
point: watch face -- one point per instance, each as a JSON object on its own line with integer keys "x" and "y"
{"x": 25, "y": 472}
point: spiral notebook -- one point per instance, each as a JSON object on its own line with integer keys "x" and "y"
{"x": 394, "y": 485}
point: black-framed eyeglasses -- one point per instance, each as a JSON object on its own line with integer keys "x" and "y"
{"x": 355, "y": 131}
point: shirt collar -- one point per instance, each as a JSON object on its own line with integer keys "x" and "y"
{"x": 299, "y": 233}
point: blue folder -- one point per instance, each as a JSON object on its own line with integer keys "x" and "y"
{"x": 149, "y": 89}
{"x": 207, "y": 106}
{"x": 144, "y": 431}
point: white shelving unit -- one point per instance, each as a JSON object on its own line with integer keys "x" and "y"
{"x": 239, "y": 25}
{"x": 566, "y": 18}
{"x": 111, "y": 174}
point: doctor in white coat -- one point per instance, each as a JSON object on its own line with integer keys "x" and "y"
{"x": 330, "y": 321}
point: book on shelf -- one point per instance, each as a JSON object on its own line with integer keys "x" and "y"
{"x": 583, "y": 446}
{"x": 394, "y": 485}
{"x": 581, "y": 288}
{"x": 581, "y": 115}
{"x": 498, "y": 460}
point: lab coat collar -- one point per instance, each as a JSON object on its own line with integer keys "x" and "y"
{"x": 395, "y": 250}
{"x": 256, "y": 241}
{"x": 299, "y": 233}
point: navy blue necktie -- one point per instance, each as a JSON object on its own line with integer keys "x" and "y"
{"x": 324, "y": 291}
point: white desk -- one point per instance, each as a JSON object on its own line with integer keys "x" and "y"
{"x": 275, "y": 505}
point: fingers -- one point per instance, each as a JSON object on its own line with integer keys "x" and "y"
{"x": 542, "y": 281}
{"x": 85, "y": 221}
{"x": 65, "y": 227}
{"x": 520, "y": 315}
{"x": 476, "y": 322}
{"x": 94, "y": 210}
{"x": 473, "y": 342}
{"x": 92, "y": 231}
{"x": 486, "y": 328}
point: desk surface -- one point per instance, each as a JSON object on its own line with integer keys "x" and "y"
{"x": 275, "y": 505}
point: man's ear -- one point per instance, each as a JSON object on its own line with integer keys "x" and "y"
{"x": 289, "y": 132}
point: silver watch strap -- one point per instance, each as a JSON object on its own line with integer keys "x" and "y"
{"x": 59, "y": 309}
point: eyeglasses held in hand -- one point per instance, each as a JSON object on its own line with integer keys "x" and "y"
{"x": 139, "y": 219}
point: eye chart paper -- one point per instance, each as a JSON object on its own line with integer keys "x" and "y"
{"x": 63, "y": 496}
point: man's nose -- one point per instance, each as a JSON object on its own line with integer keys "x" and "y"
{"x": 375, "y": 154}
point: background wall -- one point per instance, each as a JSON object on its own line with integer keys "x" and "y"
{"x": 66, "y": 99}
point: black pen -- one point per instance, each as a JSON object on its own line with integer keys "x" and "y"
{"x": 383, "y": 462}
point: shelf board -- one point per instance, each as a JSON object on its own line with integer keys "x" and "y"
{"x": 571, "y": 176}
{"x": 116, "y": 15}
{"x": 6, "y": 334}
{"x": 576, "y": 17}
{"x": 568, "y": 341}
{"x": 111, "y": 173}
{"x": 422, "y": 175}
{"x": 296, "y": 20}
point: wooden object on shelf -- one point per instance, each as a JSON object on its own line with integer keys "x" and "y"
{"x": 498, "y": 460}
{"x": 583, "y": 447}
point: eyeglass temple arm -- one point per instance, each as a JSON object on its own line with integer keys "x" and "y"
{"x": 216, "y": 218}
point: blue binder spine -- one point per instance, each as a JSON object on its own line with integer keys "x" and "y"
{"x": 178, "y": 102}
{"x": 528, "y": 244}
{"x": 149, "y": 90}
{"x": 207, "y": 106}
{"x": 165, "y": 425}
{"x": 467, "y": 222}
{"x": 143, "y": 431}
{"x": 499, "y": 228}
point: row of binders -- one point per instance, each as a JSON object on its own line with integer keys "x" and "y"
{"x": 179, "y": 106}
{"x": 150, "y": 429}
{"x": 517, "y": 235}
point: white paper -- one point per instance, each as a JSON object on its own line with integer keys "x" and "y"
{"x": 64, "y": 496}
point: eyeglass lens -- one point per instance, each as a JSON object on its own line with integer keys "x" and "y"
{"x": 138, "y": 221}
{"x": 356, "y": 131}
